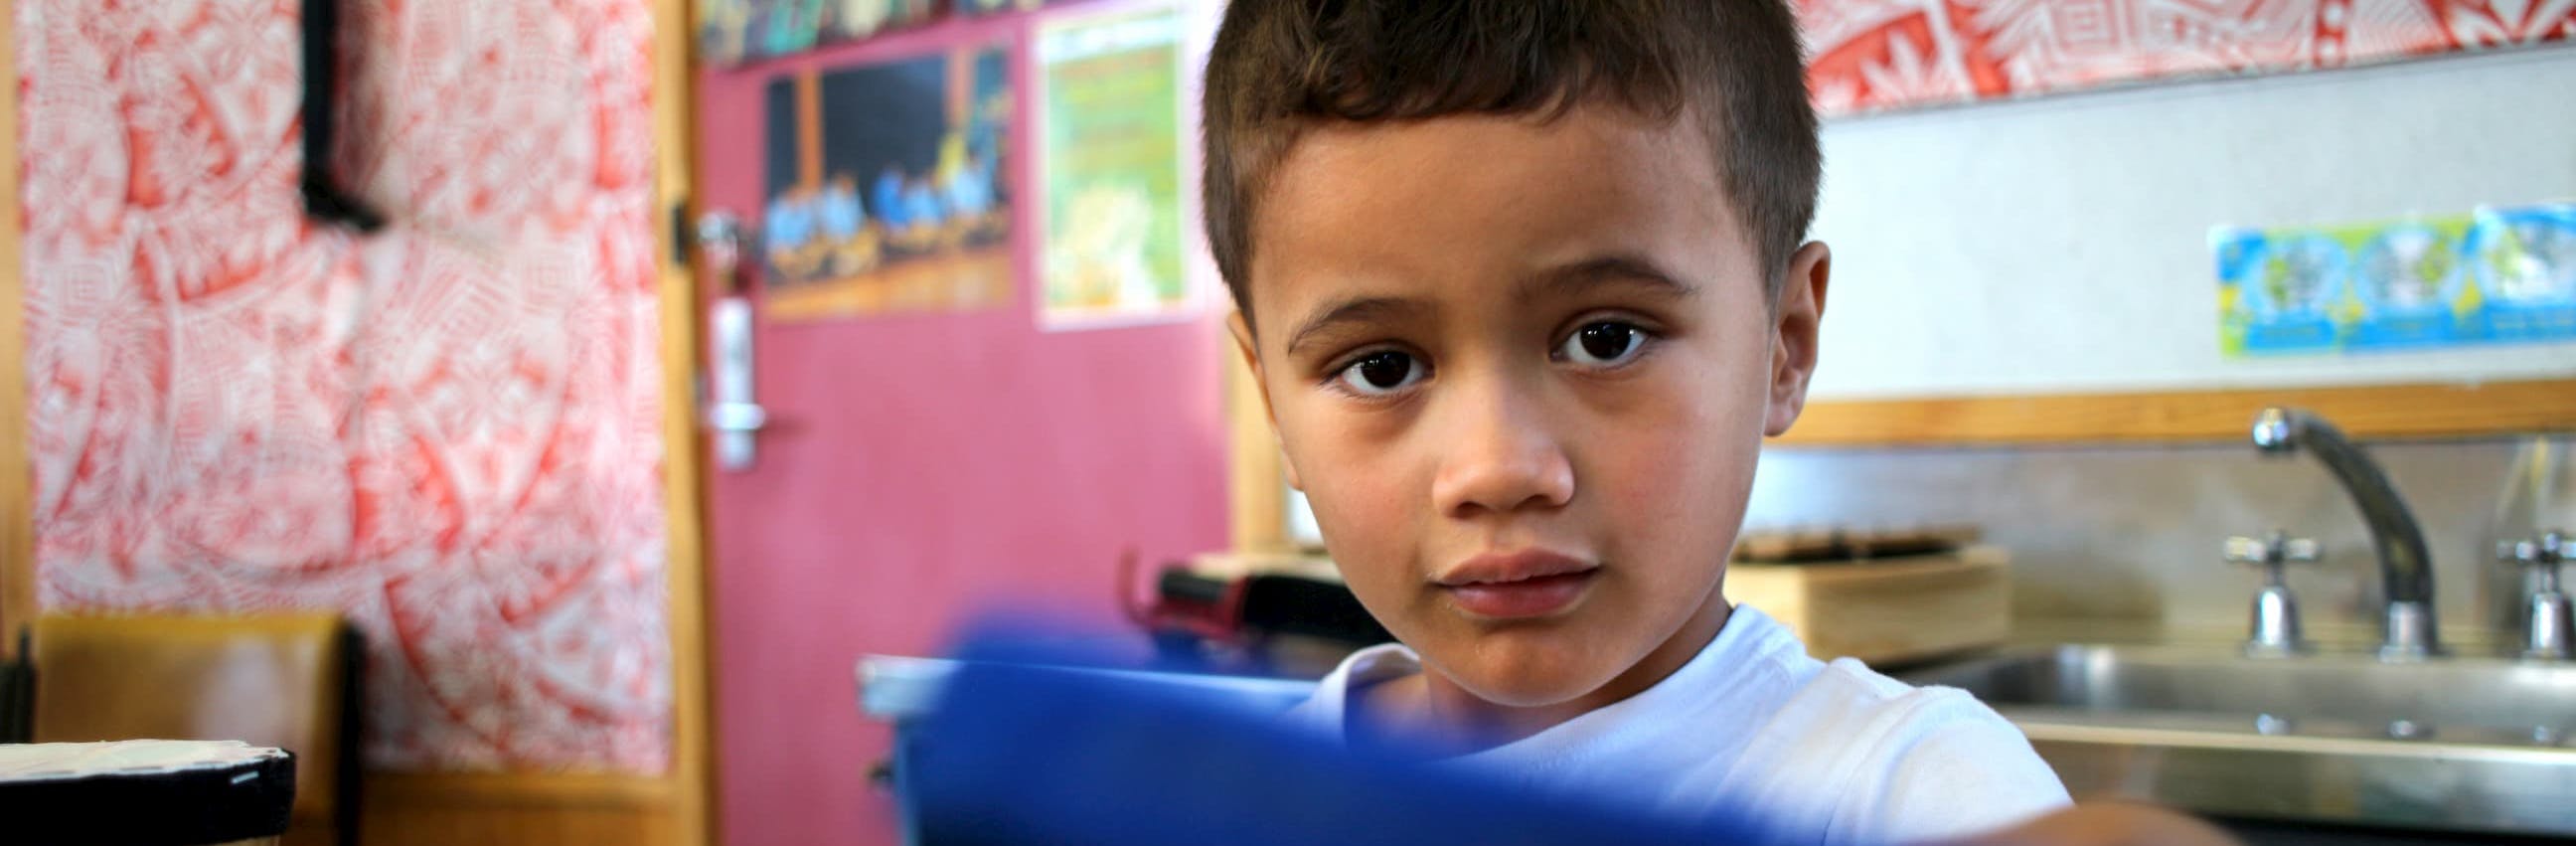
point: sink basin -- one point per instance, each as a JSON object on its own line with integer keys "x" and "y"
{"x": 2460, "y": 744}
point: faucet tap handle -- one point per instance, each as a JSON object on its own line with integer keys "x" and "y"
{"x": 2272, "y": 550}
{"x": 2275, "y": 630}
{"x": 2552, "y": 632}
{"x": 2547, "y": 550}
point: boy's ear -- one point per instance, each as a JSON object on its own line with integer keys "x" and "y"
{"x": 1799, "y": 316}
{"x": 1242, "y": 332}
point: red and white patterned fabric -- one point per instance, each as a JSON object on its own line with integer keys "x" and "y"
{"x": 449, "y": 430}
{"x": 1873, "y": 55}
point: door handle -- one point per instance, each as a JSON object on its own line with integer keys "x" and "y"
{"x": 732, "y": 413}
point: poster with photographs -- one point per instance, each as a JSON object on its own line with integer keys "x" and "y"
{"x": 1110, "y": 157}
{"x": 735, "y": 31}
{"x": 887, "y": 187}
{"x": 2488, "y": 276}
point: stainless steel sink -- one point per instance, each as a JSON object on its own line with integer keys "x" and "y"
{"x": 2459, "y": 744}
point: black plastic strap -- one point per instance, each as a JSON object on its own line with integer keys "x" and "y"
{"x": 323, "y": 199}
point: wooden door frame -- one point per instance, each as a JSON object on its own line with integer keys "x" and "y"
{"x": 17, "y": 492}
{"x": 693, "y": 797}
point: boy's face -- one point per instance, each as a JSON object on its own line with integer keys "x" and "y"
{"x": 1522, "y": 369}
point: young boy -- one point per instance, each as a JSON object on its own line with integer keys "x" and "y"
{"x": 1525, "y": 284}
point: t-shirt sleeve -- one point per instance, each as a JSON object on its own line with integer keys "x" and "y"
{"x": 1956, "y": 769}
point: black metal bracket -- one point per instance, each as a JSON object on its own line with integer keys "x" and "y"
{"x": 684, "y": 237}
{"x": 323, "y": 198}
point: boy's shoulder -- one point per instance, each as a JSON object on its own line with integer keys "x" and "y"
{"x": 1834, "y": 748}
{"x": 1860, "y": 718}
{"x": 1850, "y": 690}
{"x": 1877, "y": 760}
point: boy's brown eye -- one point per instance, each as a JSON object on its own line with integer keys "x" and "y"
{"x": 1603, "y": 344}
{"x": 1382, "y": 372}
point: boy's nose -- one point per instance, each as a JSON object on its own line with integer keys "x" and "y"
{"x": 1501, "y": 457}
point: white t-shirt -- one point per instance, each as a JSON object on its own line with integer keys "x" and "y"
{"x": 1827, "y": 753}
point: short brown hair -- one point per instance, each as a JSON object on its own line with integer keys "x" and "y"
{"x": 1734, "y": 65}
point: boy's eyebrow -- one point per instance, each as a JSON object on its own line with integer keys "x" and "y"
{"x": 1581, "y": 275}
{"x": 1560, "y": 281}
{"x": 1355, "y": 309}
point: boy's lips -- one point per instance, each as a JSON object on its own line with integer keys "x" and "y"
{"x": 1529, "y": 583}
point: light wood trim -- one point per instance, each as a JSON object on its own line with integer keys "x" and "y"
{"x": 690, "y": 791}
{"x": 17, "y": 483}
{"x": 517, "y": 809}
{"x": 512, "y": 826}
{"x": 1257, "y": 472}
{"x": 2379, "y": 411}
{"x": 530, "y": 790}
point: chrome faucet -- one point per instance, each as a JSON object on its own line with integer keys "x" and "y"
{"x": 2550, "y": 632}
{"x": 2275, "y": 633}
{"x": 2404, "y": 565}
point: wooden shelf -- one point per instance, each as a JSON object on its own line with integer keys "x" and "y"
{"x": 2369, "y": 412}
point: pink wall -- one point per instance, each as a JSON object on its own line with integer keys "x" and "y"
{"x": 449, "y": 430}
{"x": 922, "y": 465}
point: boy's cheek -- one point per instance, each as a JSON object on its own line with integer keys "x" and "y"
{"x": 1679, "y": 507}
{"x": 1676, "y": 495}
{"x": 1365, "y": 521}
{"x": 1675, "y": 458}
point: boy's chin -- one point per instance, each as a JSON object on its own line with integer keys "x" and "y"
{"x": 1519, "y": 676}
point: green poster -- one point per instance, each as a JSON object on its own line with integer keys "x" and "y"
{"x": 1110, "y": 167}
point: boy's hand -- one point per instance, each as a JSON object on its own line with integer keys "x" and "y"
{"x": 2108, "y": 824}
